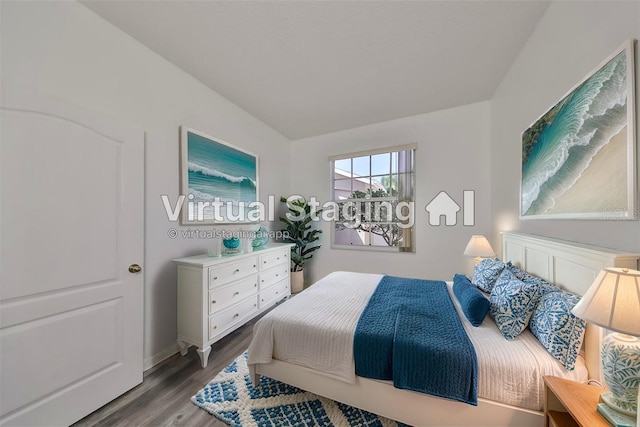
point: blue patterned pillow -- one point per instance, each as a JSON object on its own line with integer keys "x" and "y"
{"x": 474, "y": 305}
{"x": 486, "y": 272}
{"x": 545, "y": 287}
{"x": 511, "y": 304}
{"x": 557, "y": 329}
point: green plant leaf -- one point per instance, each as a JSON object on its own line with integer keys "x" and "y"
{"x": 308, "y": 251}
{"x": 300, "y": 231}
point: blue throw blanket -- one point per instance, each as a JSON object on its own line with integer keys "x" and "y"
{"x": 410, "y": 333}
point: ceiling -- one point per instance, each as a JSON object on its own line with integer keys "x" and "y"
{"x": 307, "y": 68}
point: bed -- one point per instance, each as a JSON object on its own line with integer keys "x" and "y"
{"x": 510, "y": 389}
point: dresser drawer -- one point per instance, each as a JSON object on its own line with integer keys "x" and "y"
{"x": 275, "y": 258}
{"x": 232, "y": 271}
{"x": 224, "y": 296}
{"x": 234, "y": 314}
{"x": 273, "y": 275}
{"x": 274, "y": 293}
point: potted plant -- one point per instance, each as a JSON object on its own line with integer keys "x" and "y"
{"x": 299, "y": 232}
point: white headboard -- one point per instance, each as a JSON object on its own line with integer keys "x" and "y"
{"x": 571, "y": 266}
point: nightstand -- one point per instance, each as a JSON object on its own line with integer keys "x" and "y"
{"x": 569, "y": 403}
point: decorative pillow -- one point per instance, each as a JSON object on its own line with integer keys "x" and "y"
{"x": 557, "y": 329}
{"x": 511, "y": 304}
{"x": 474, "y": 305}
{"x": 545, "y": 287}
{"x": 517, "y": 271}
{"x": 486, "y": 272}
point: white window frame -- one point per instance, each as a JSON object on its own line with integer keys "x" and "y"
{"x": 407, "y": 186}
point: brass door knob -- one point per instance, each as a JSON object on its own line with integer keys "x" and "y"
{"x": 135, "y": 268}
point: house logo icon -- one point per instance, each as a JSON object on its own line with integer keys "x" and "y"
{"x": 443, "y": 205}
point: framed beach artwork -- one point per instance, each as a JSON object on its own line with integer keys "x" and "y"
{"x": 579, "y": 158}
{"x": 219, "y": 181}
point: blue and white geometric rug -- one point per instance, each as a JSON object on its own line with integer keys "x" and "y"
{"x": 231, "y": 397}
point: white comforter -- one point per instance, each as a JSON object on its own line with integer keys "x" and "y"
{"x": 315, "y": 330}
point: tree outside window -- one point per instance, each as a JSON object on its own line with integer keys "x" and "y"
{"x": 373, "y": 190}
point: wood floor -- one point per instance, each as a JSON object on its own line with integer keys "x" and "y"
{"x": 163, "y": 398}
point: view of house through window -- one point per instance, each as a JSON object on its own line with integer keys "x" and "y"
{"x": 374, "y": 191}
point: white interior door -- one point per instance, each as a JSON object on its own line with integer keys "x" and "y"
{"x": 71, "y": 224}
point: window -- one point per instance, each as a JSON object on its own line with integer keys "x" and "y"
{"x": 373, "y": 191}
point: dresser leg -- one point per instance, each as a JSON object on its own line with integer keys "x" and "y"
{"x": 204, "y": 355}
{"x": 183, "y": 347}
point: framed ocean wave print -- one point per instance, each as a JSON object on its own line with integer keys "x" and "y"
{"x": 579, "y": 158}
{"x": 219, "y": 182}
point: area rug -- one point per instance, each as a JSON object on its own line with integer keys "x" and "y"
{"x": 232, "y": 398}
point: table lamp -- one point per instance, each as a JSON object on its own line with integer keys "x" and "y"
{"x": 480, "y": 248}
{"x": 613, "y": 302}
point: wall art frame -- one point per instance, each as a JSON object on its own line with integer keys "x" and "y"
{"x": 579, "y": 159}
{"x": 219, "y": 181}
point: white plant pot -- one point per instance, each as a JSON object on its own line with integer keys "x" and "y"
{"x": 297, "y": 281}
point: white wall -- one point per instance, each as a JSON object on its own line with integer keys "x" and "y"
{"x": 452, "y": 155}
{"x": 570, "y": 40}
{"x": 65, "y": 50}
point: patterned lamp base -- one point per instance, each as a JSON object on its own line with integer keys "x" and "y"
{"x": 616, "y": 418}
{"x": 621, "y": 368}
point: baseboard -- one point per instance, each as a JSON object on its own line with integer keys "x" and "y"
{"x": 150, "y": 362}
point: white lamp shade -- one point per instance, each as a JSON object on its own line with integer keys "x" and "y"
{"x": 478, "y": 246}
{"x": 613, "y": 301}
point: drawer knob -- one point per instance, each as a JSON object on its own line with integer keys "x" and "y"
{"x": 215, "y": 327}
{"x": 278, "y": 258}
{"x": 276, "y": 274}
{"x": 255, "y": 285}
{"x": 236, "y": 293}
{"x": 236, "y": 315}
{"x": 254, "y": 266}
{"x": 213, "y": 302}
{"x": 215, "y": 278}
{"x": 237, "y": 270}
{"x": 255, "y": 305}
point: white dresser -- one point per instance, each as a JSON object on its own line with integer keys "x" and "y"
{"x": 216, "y": 295}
